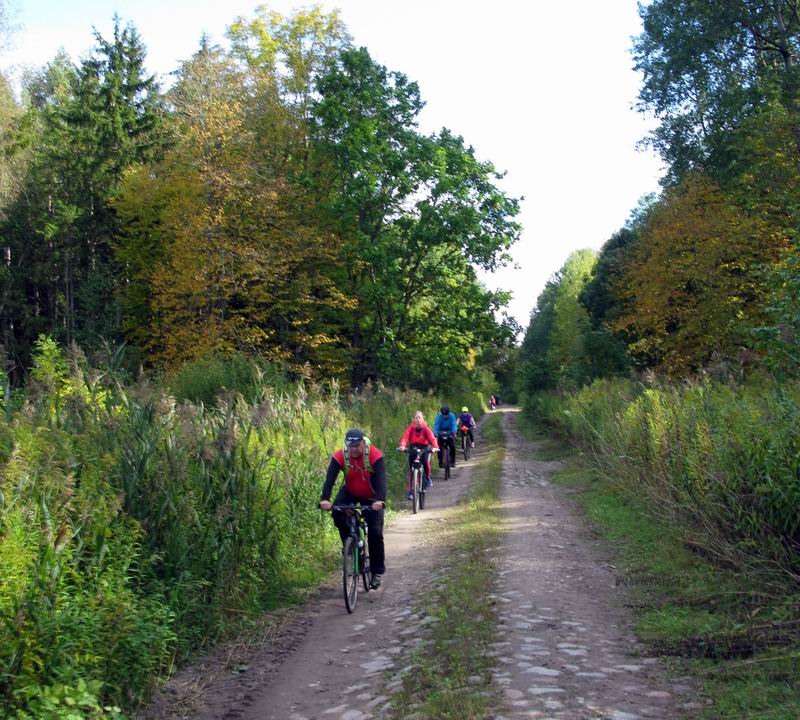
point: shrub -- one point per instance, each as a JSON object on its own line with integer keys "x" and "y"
{"x": 724, "y": 458}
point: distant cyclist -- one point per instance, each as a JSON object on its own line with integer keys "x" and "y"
{"x": 446, "y": 423}
{"x": 365, "y": 484}
{"x": 465, "y": 420}
{"x": 419, "y": 435}
{"x": 492, "y": 401}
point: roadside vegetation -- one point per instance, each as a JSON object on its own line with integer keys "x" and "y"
{"x": 449, "y": 675}
{"x": 142, "y": 520}
{"x": 729, "y": 624}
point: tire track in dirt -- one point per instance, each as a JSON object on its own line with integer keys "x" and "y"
{"x": 565, "y": 646}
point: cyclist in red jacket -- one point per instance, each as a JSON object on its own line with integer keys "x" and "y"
{"x": 365, "y": 484}
{"x": 419, "y": 434}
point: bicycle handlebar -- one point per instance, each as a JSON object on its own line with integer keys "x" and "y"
{"x": 427, "y": 450}
{"x": 357, "y": 506}
{"x": 350, "y": 506}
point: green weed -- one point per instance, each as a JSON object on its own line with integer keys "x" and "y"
{"x": 715, "y": 624}
{"x": 451, "y": 676}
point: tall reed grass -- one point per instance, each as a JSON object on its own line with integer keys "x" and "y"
{"x": 134, "y": 527}
{"x": 724, "y": 459}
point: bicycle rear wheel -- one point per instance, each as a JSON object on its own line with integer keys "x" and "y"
{"x": 350, "y": 574}
{"x": 422, "y": 494}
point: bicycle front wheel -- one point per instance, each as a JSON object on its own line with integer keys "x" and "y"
{"x": 350, "y": 574}
{"x": 446, "y": 452}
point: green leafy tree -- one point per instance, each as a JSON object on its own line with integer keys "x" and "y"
{"x": 414, "y": 215}
{"x": 82, "y": 127}
{"x": 537, "y": 374}
{"x": 570, "y": 319}
{"x": 604, "y": 352}
{"x": 693, "y": 286}
{"x": 551, "y": 352}
{"x": 216, "y": 245}
{"x": 708, "y": 67}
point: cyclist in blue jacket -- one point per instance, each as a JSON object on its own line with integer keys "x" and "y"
{"x": 446, "y": 422}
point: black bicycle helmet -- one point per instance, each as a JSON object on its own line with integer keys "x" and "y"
{"x": 354, "y": 436}
{"x": 445, "y": 409}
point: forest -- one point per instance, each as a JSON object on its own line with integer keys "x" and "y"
{"x": 277, "y": 199}
{"x": 203, "y": 285}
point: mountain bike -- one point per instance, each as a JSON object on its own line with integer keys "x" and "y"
{"x": 466, "y": 446}
{"x": 444, "y": 444}
{"x": 355, "y": 555}
{"x": 417, "y": 473}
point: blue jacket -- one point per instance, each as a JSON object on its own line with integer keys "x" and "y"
{"x": 445, "y": 424}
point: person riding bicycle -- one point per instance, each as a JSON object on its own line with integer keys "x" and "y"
{"x": 446, "y": 422}
{"x": 419, "y": 435}
{"x": 365, "y": 484}
{"x": 465, "y": 420}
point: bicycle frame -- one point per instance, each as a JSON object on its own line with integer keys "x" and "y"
{"x": 417, "y": 472}
{"x": 355, "y": 557}
{"x": 465, "y": 444}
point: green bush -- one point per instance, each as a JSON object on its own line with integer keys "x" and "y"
{"x": 725, "y": 458}
{"x": 203, "y": 380}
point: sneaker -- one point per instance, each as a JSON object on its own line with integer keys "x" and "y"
{"x": 409, "y": 496}
{"x": 472, "y": 445}
{"x": 377, "y": 579}
{"x": 428, "y": 483}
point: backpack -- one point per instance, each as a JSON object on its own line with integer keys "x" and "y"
{"x": 346, "y": 452}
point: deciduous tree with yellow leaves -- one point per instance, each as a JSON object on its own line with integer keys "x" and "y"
{"x": 693, "y": 286}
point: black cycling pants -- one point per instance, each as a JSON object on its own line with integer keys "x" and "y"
{"x": 450, "y": 443}
{"x": 374, "y": 518}
{"x": 426, "y": 463}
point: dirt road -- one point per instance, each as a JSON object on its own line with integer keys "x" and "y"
{"x": 565, "y": 648}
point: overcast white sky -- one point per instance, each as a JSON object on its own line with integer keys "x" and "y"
{"x": 542, "y": 89}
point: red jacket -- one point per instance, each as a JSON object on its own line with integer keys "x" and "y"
{"x": 357, "y": 480}
{"x": 418, "y": 436}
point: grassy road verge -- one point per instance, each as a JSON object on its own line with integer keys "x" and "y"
{"x": 713, "y": 624}
{"x": 449, "y": 675}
